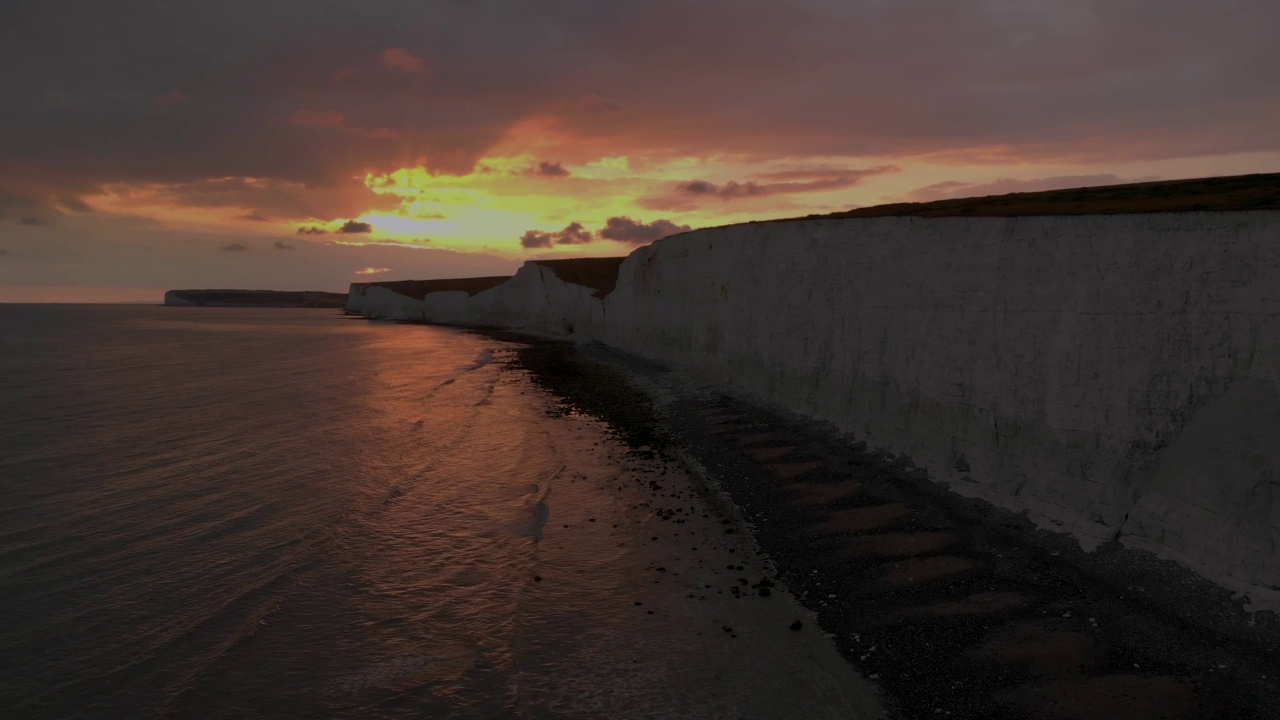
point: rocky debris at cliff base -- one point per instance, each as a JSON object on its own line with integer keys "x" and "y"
{"x": 913, "y": 635}
{"x": 756, "y": 618}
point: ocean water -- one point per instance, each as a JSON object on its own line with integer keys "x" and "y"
{"x": 235, "y": 513}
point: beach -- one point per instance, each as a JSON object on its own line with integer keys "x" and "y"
{"x": 402, "y": 523}
{"x": 952, "y": 607}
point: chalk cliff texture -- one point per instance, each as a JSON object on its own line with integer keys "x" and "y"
{"x": 449, "y": 306}
{"x": 537, "y": 298}
{"x": 1114, "y": 376}
{"x": 356, "y": 298}
{"x": 404, "y": 299}
{"x": 175, "y": 298}
{"x": 382, "y": 303}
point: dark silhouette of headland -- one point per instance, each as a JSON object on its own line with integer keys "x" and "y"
{"x": 254, "y": 298}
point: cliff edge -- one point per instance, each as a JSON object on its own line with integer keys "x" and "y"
{"x": 1105, "y": 360}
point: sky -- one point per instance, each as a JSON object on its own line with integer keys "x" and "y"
{"x": 307, "y": 144}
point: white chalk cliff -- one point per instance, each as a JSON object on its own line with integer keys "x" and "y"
{"x": 174, "y": 298}
{"x": 381, "y": 303}
{"x": 536, "y": 299}
{"x": 1113, "y": 376}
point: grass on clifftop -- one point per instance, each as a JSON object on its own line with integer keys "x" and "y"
{"x": 419, "y": 289}
{"x": 600, "y": 274}
{"x": 1235, "y": 192}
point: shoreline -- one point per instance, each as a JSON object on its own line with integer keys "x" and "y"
{"x": 950, "y": 606}
{"x": 740, "y": 609}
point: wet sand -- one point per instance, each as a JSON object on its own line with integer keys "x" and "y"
{"x": 709, "y": 621}
{"x": 709, "y": 631}
{"x": 952, "y": 607}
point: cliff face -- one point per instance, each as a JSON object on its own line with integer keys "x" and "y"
{"x": 537, "y": 299}
{"x": 356, "y": 298}
{"x": 176, "y": 298}
{"x": 1114, "y": 376}
{"x": 381, "y": 303}
{"x": 403, "y": 299}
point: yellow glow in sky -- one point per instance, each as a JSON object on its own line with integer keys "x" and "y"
{"x": 508, "y": 195}
{"x": 504, "y": 197}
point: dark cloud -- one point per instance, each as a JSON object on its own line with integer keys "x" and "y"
{"x": 209, "y": 92}
{"x": 3, "y": 252}
{"x": 667, "y": 204}
{"x": 794, "y": 181}
{"x": 255, "y": 216}
{"x": 312, "y": 231}
{"x": 353, "y": 226}
{"x": 134, "y": 92}
{"x": 274, "y": 199}
{"x": 73, "y": 203}
{"x": 820, "y": 172}
{"x": 387, "y": 71}
{"x": 698, "y": 187}
{"x": 573, "y": 234}
{"x": 234, "y": 247}
{"x": 687, "y": 196}
{"x": 59, "y": 100}
{"x": 32, "y": 221}
{"x": 1001, "y": 186}
{"x": 535, "y": 239}
{"x": 548, "y": 169}
{"x": 312, "y": 118}
{"x": 624, "y": 229}
{"x": 282, "y": 246}
{"x": 24, "y": 197}
{"x": 170, "y": 97}
{"x": 593, "y": 104}
{"x": 729, "y": 190}
{"x": 161, "y": 258}
{"x": 402, "y": 60}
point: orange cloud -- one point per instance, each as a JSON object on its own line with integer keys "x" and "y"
{"x": 395, "y": 61}
{"x": 597, "y": 105}
{"x": 547, "y": 169}
{"x": 271, "y": 205}
{"x": 402, "y": 60}
{"x": 572, "y": 234}
{"x": 335, "y": 120}
{"x": 619, "y": 229}
{"x": 625, "y": 230}
{"x": 682, "y": 196}
{"x": 954, "y": 189}
{"x": 325, "y": 118}
{"x": 381, "y": 133}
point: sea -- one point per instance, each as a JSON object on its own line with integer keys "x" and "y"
{"x": 291, "y": 513}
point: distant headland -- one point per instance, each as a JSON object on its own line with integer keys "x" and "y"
{"x": 254, "y": 298}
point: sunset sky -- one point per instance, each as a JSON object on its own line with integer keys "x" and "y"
{"x": 296, "y": 144}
